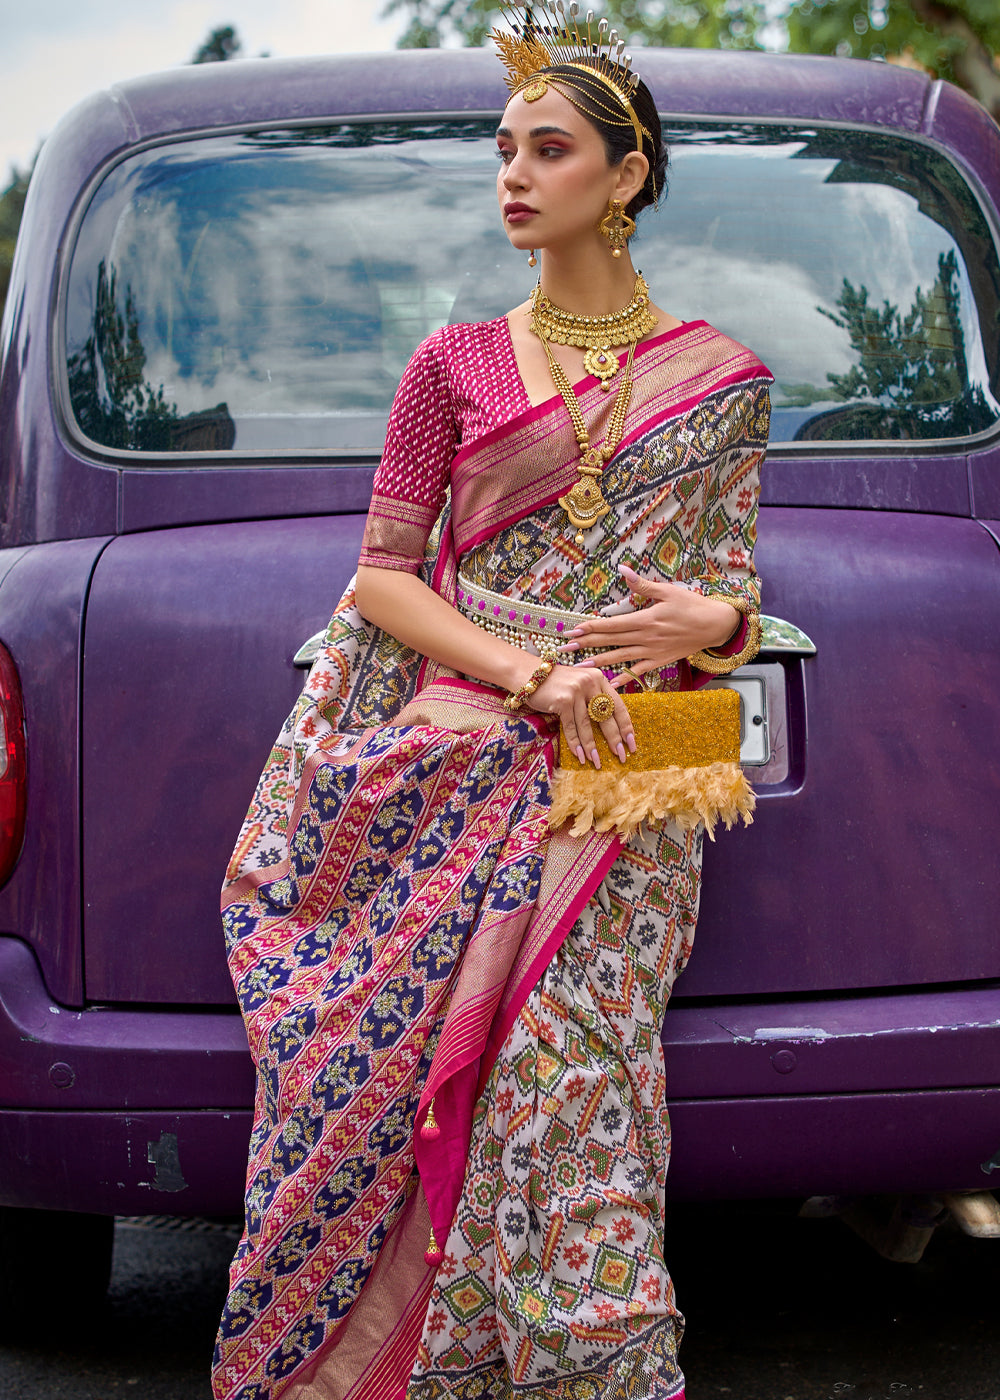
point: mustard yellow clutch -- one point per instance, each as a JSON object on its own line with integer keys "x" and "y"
{"x": 685, "y": 768}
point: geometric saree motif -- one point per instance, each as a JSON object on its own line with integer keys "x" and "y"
{"x": 553, "y": 1282}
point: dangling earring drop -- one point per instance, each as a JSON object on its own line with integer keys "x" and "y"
{"x": 617, "y": 227}
{"x": 532, "y": 260}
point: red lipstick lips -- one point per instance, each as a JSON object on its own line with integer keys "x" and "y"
{"x": 517, "y": 213}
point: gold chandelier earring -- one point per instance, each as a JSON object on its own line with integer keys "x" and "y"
{"x": 617, "y": 227}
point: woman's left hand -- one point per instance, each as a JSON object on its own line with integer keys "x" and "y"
{"x": 676, "y": 624}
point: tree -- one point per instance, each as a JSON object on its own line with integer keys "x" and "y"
{"x": 113, "y": 401}
{"x": 697, "y": 23}
{"x": 115, "y": 404}
{"x": 220, "y": 45}
{"x": 954, "y": 39}
{"x": 11, "y": 209}
{"x": 910, "y": 379}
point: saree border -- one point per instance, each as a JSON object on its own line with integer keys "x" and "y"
{"x": 483, "y": 1010}
{"x": 543, "y": 444}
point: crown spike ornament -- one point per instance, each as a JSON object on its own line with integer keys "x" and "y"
{"x": 548, "y": 34}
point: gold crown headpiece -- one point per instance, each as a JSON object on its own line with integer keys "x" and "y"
{"x": 550, "y": 34}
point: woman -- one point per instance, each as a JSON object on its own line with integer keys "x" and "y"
{"x": 457, "y": 1166}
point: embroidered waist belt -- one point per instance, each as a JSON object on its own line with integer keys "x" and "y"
{"x": 532, "y": 626}
{"x": 516, "y": 621}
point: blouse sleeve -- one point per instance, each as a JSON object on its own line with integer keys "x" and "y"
{"x": 724, "y": 560}
{"x": 412, "y": 478}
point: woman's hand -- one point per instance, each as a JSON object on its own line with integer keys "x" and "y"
{"x": 566, "y": 692}
{"x": 676, "y": 624}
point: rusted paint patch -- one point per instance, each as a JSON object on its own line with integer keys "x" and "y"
{"x": 165, "y": 1157}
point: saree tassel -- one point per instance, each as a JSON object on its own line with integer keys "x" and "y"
{"x": 433, "y": 1254}
{"x": 430, "y": 1129}
{"x": 604, "y": 800}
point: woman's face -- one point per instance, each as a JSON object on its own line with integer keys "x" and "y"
{"x": 554, "y": 181}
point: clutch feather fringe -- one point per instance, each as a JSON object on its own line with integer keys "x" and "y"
{"x": 685, "y": 768}
{"x": 604, "y": 800}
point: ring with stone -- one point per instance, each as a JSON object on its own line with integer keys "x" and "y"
{"x": 602, "y": 707}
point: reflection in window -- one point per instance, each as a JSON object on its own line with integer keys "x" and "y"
{"x": 911, "y": 378}
{"x": 115, "y": 404}
{"x": 262, "y": 292}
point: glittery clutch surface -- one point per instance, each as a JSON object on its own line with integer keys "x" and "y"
{"x": 685, "y": 768}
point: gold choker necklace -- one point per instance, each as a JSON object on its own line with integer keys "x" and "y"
{"x": 598, "y": 334}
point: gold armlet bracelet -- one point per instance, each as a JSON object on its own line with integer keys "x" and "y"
{"x": 715, "y": 665}
{"x": 516, "y": 698}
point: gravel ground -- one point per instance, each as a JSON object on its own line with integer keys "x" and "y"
{"x": 778, "y": 1309}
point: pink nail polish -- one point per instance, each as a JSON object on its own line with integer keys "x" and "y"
{"x": 631, "y": 743}
{"x": 595, "y": 758}
{"x": 580, "y": 753}
{"x": 621, "y": 752}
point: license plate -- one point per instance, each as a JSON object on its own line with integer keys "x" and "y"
{"x": 755, "y": 743}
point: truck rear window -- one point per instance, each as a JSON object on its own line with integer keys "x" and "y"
{"x": 260, "y": 293}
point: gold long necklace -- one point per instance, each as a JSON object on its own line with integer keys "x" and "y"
{"x": 584, "y": 503}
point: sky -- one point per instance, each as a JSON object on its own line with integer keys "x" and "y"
{"x": 53, "y": 53}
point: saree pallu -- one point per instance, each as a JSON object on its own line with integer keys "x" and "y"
{"x": 404, "y": 931}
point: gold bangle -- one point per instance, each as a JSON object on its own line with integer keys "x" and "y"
{"x": 715, "y": 665}
{"x": 516, "y": 698}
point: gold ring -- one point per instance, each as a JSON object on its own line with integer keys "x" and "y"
{"x": 602, "y": 707}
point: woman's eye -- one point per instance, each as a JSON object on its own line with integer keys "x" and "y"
{"x": 504, "y": 156}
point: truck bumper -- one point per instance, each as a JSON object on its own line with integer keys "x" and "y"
{"x": 140, "y": 1111}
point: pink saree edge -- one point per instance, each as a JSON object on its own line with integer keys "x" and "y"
{"x": 747, "y": 372}
{"x": 394, "y": 1358}
{"x": 739, "y": 376}
{"x": 542, "y": 410}
{"x": 400, "y": 1352}
{"x": 542, "y": 959}
{"x": 442, "y": 1168}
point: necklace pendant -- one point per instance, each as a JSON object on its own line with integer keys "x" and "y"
{"x": 602, "y": 363}
{"x": 584, "y": 503}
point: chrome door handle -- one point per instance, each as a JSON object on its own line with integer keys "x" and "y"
{"x": 784, "y": 638}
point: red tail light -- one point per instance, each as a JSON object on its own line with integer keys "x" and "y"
{"x": 13, "y": 765}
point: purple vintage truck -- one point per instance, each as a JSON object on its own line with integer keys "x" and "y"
{"x": 221, "y": 274}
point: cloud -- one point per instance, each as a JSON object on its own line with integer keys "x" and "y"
{"x": 57, "y": 52}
